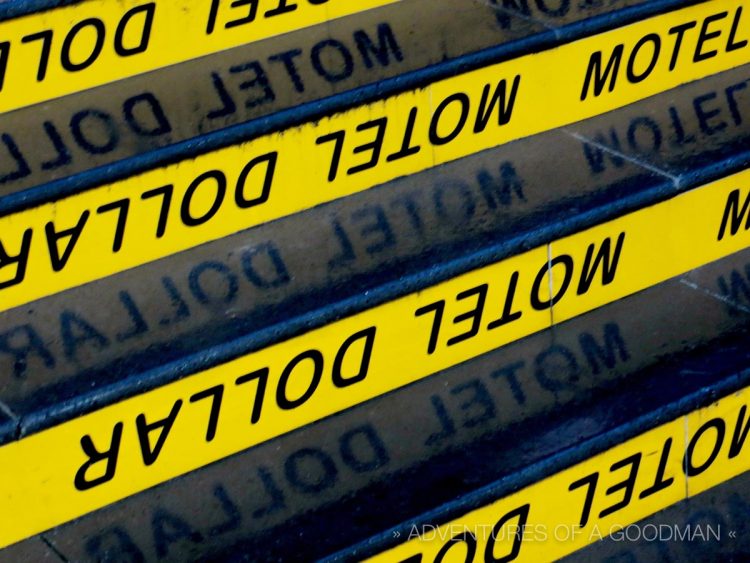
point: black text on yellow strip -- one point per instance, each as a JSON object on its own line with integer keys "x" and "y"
{"x": 101, "y": 125}
{"x": 55, "y": 246}
{"x": 266, "y": 487}
{"x": 142, "y": 441}
{"x": 711, "y": 526}
{"x": 68, "y": 49}
{"x": 597, "y": 497}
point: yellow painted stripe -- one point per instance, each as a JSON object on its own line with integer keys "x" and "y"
{"x": 267, "y": 393}
{"x": 72, "y": 48}
{"x": 203, "y": 95}
{"x": 105, "y": 230}
{"x": 597, "y": 497}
